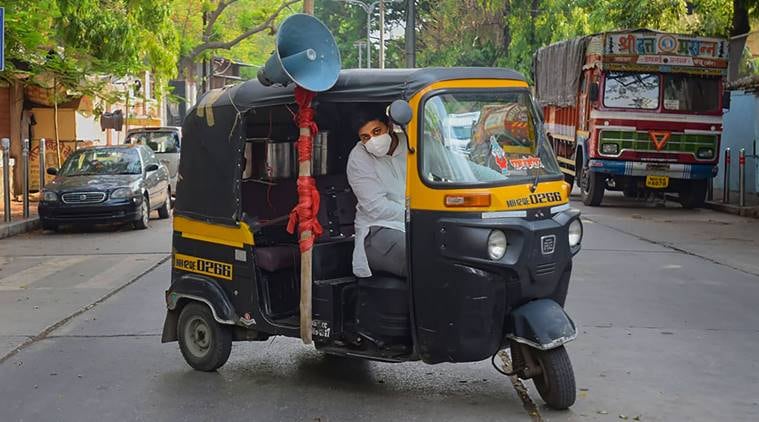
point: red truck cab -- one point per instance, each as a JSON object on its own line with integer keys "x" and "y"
{"x": 635, "y": 111}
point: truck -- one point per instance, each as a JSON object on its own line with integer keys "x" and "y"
{"x": 634, "y": 111}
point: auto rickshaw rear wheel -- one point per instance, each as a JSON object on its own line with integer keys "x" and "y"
{"x": 556, "y": 383}
{"x": 205, "y": 344}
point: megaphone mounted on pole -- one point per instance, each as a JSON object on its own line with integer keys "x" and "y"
{"x": 306, "y": 54}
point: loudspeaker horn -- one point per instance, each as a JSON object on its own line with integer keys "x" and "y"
{"x": 306, "y": 54}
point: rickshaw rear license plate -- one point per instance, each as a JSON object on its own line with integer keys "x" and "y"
{"x": 657, "y": 182}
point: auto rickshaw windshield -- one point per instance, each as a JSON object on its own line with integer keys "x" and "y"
{"x": 504, "y": 141}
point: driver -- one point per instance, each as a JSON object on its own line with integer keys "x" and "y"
{"x": 377, "y": 174}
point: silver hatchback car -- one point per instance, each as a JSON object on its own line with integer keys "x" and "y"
{"x": 166, "y": 143}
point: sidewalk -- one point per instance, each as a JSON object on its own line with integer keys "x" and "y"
{"x": 751, "y": 209}
{"x": 18, "y": 223}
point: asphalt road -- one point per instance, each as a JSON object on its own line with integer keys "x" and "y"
{"x": 665, "y": 301}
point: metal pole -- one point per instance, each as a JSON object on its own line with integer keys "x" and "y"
{"x": 42, "y": 161}
{"x": 411, "y": 34}
{"x": 742, "y": 177}
{"x": 25, "y": 176}
{"x": 5, "y": 143}
{"x": 382, "y": 34}
{"x": 368, "y": 40}
{"x": 726, "y": 187}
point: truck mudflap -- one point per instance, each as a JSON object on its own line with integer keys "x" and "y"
{"x": 638, "y": 168}
{"x": 541, "y": 324}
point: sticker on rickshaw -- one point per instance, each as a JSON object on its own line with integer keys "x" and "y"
{"x": 203, "y": 266}
{"x": 526, "y": 163}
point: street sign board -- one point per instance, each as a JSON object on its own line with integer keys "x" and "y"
{"x": 2, "y": 39}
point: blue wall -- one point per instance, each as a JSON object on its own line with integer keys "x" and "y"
{"x": 741, "y": 130}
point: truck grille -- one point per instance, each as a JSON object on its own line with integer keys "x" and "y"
{"x": 83, "y": 197}
{"x": 641, "y": 141}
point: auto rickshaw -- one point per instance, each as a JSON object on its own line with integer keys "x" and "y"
{"x": 489, "y": 246}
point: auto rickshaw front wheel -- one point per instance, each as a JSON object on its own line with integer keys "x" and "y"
{"x": 205, "y": 344}
{"x": 556, "y": 382}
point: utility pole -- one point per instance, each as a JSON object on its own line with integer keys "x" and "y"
{"x": 382, "y": 34}
{"x": 411, "y": 34}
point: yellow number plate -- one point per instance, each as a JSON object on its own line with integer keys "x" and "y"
{"x": 657, "y": 182}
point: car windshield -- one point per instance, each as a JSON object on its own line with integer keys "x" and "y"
{"x": 157, "y": 141}
{"x": 504, "y": 144}
{"x": 631, "y": 90}
{"x": 99, "y": 161}
{"x": 691, "y": 93}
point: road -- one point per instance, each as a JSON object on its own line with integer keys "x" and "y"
{"x": 665, "y": 301}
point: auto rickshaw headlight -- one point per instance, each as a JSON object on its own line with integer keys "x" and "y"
{"x": 497, "y": 244}
{"x": 575, "y": 233}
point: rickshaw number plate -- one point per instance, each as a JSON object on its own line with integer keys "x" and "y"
{"x": 657, "y": 182}
{"x": 548, "y": 244}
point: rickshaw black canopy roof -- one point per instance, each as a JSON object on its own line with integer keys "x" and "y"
{"x": 214, "y": 134}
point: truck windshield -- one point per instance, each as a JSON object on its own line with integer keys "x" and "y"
{"x": 505, "y": 142}
{"x": 691, "y": 93}
{"x": 631, "y": 90}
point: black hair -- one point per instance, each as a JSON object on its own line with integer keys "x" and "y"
{"x": 366, "y": 113}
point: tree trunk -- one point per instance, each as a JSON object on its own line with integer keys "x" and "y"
{"x": 740, "y": 26}
{"x": 506, "y": 42}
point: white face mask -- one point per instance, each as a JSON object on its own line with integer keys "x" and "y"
{"x": 379, "y": 145}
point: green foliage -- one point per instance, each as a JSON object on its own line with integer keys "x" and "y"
{"x": 71, "y": 42}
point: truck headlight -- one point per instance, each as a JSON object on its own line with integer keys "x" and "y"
{"x": 121, "y": 193}
{"x": 48, "y": 196}
{"x": 497, "y": 244}
{"x": 610, "y": 149}
{"x": 575, "y": 233}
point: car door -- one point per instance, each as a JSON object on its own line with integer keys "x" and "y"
{"x": 153, "y": 179}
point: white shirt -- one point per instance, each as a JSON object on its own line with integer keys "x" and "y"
{"x": 379, "y": 184}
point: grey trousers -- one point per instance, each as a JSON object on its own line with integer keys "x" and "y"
{"x": 386, "y": 250}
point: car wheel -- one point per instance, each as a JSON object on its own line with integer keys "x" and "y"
{"x": 205, "y": 344}
{"x": 47, "y": 226}
{"x": 144, "y": 219}
{"x": 164, "y": 210}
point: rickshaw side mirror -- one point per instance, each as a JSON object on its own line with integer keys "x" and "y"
{"x": 400, "y": 112}
{"x": 594, "y": 91}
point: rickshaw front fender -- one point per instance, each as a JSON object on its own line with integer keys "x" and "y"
{"x": 541, "y": 324}
{"x": 195, "y": 288}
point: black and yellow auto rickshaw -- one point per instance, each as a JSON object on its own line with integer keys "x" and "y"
{"x": 490, "y": 241}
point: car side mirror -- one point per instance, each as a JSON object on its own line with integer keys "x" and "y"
{"x": 52, "y": 171}
{"x": 726, "y": 100}
{"x": 151, "y": 167}
{"x": 400, "y": 112}
{"x": 594, "y": 92}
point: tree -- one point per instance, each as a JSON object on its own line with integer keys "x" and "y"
{"x": 78, "y": 44}
{"x": 209, "y": 26}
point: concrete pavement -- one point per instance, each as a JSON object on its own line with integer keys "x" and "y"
{"x": 47, "y": 277}
{"x": 666, "y": 312}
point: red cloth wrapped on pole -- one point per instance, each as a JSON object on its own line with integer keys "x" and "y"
{"x": 305, "y": 212}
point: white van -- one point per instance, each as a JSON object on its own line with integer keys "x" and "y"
{"x": 165, "y": 141}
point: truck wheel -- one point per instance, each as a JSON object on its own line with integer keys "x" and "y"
{"x": 556, "y": 384}
{"x": 592, "y": 187}
{"x": 693, "y": 195}
{"x": 205, "y": 344}
{"x": 163, "y": 211}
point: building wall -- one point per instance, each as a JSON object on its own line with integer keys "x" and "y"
{"x": 741, "y": 130}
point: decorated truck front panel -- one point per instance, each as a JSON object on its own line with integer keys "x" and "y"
{"x": 639, "y": 110}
